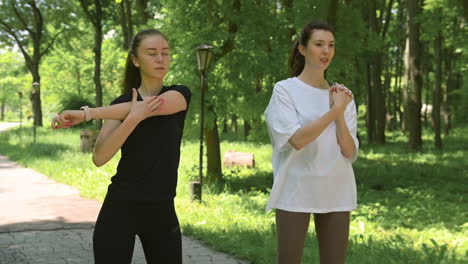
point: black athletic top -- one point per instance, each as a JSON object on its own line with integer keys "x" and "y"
{"x": 147, "y": 169}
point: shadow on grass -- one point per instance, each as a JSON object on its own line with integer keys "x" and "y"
{"x": 395, "y": 194}
{"x": 412, "y": 195}
{"x": 257, "y": 181}
{"x": 33, "y": 151}
{"x": 18, "y": 145}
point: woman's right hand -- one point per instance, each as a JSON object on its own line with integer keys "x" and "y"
{"x": 68, "y": 118}
{"x": 140, "y": 110}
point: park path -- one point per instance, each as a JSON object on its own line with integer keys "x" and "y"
{"x": 46, "y": 222}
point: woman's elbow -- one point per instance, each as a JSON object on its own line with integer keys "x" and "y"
{"x": 348, "y": 154}
{"x": 296, "y": 145}
{"x": 98, "y": 162}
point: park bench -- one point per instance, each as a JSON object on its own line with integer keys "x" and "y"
{"x": 234, "y": 158}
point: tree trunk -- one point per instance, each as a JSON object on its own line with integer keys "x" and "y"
{"x": 332, "y": 12}
{"x": 35, "y": 96}
{"x": 234, "y": 123}
{"x": 380, "y": 112}
{"x": 225, "y": 126}
{"x": 2, "y": 109}
{"x": 288, "y": 8}
{"x": 377, "y": 113}
{"x": 143, "y": 16}
{"x": 78, "y": 78}
{"x": 125, "y": 24}
{"x": 213, "y": 151}
{"x": 387, "y": 96}
{"x": 406, "y": 89}
{"x": 436, "y": 100}
{"x": 247, "y": 128}
{"x": 393, "y": 105}
{"x": 426, "y": 108}
{"x": 97, "y": 56}
{"x": 379, "y": 93}
{"x": 413, "y": 108}
{"x": 446, "y": 89}
{"x": 129, "y": 20}
{"x": 370, "y": 107}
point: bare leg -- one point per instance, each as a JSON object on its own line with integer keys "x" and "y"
{"x": 291, "y": 228}
{"x": 332, "y": 234}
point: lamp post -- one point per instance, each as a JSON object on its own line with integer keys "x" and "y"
{"x": 203, "y": 57}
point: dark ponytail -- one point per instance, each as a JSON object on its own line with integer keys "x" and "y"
{"x": 296, "y": 59}
{"x": 132, "y": 76}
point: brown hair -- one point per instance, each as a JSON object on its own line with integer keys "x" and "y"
{"x": 132, "y": 76}
{"x": 296, "y": 59}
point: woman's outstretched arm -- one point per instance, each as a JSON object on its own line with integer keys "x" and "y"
{"x": 173, "y": 102}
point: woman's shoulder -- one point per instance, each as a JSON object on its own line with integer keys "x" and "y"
{"x": 286, "y": 83}
{"x": 285, "y": 87}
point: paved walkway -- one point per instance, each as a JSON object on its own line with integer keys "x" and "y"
{"x": 45, "y": 222}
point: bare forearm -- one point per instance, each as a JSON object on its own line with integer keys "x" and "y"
{"x": 344, "y": 138}
{"x": 114, "y": 112}
{"x": 311, "y": 131}
{"x": 106, "y": 149}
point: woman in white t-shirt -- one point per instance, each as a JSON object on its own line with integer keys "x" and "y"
{"x": 312, "y": 126}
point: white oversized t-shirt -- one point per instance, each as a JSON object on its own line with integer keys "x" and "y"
{"x": 316, "y": 178}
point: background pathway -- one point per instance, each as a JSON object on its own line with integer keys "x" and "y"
{"x": 46, "y": 222}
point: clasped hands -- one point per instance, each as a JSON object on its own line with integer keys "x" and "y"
{"x": 138, "y": 110}
{"x": 340, "y": 96}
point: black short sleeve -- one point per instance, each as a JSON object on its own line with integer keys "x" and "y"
{"x": 185, "y": 91}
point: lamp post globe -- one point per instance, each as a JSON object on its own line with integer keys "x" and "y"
{"x": 204, "y": 55}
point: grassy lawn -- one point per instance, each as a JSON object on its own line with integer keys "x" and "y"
{"x": 412, "y": 205}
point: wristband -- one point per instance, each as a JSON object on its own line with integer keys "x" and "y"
{"x": 86, "y": 112}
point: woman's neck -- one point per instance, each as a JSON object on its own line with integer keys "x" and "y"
{"x": 313, "y": 78}
{"x": 150, "y": 87}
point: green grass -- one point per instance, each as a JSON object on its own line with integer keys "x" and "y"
{"x": 412, "y": 205}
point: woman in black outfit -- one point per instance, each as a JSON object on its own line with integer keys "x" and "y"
{"x": 146, "y": 124}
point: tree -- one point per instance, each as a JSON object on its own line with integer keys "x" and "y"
{"x": 436, "y": 101}
{"x": 414, "y": 85}
{"x": 126, "y": 22}
{"x": 33, "y": 26}
{"x": 129, "y": 20}
{"x": 95, "y": 14}
{"x": 378, "y": 26}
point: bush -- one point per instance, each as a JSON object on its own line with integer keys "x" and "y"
{"x": 74, "y": 102}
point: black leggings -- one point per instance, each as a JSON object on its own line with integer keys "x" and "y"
{"x": 155, "y": 223}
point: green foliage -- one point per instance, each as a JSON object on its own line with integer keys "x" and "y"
{"x": 252, "y": 46}
{"x": 13, "y": 80}
{"x": 16, "y": 19}
{"x": 74, "y": 101}
{"x": 69, "y": 71}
